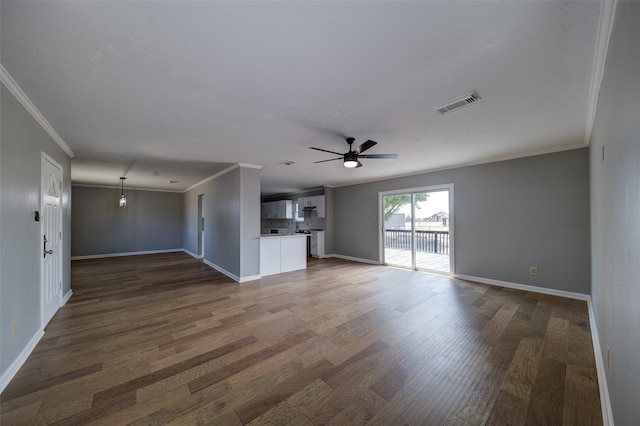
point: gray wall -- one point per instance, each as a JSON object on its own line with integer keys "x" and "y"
{"x": 151, "y": 220}
{"x": 232, "y": 221}
{"x": 615, "y": 214}
{"x": 222, "y": 216}
{"x": 22, "y": 140}
{"x": 190, "y": 219}
{"x": 249, "y": 222}
{"x": 329, "y": 201}
{"x": 508, "y": 215}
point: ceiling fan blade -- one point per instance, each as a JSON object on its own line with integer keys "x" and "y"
{"x": 331, "y": 159}
{"x": 384, "y": 156}
{"x": 324, "y": 150}
{"x": 324, "y": 129}
{"x": 365, "y": 146}
{"x": 359, "y": 164}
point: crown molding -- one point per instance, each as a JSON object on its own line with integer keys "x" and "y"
{"x": 13, "y": 87}
{"x": 129, "y": 188}
{"x": 250, "y": 166}
{"x": 605, "y": 26}
{"x": 220, "y": 173}
{"x": 489, "y": 160}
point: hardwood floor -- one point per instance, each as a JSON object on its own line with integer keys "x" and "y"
{"x": 164, "y": 339}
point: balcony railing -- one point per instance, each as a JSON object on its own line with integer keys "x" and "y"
{"x": 426, "y": 241}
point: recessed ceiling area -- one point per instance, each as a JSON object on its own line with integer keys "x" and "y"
{"x": 178, "y": 91}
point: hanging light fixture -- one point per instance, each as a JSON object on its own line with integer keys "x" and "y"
{"x": 123, "y": 199}
{"x": 350, "y": 159}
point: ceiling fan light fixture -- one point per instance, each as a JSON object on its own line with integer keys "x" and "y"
{"x": 123, "y": 199}
{"x": 350, "y": 160}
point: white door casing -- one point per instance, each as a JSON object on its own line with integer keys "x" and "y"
{"x": 50, "y": 238}
{"x": 201, "y": 226}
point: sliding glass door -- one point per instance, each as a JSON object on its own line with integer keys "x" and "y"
{"x": 398, "y": 230}
{"x": 417, "y": 228}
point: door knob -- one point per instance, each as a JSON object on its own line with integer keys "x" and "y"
{"x": 44, "y": 247}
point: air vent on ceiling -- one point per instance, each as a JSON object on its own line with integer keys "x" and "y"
{"x": 462, "y": 101}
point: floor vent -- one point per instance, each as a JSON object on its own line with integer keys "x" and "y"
{"x": 462, "y": 101}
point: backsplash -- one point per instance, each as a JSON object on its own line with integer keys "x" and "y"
{"x": 312, "y": 222}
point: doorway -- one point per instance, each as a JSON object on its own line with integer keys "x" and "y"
{"x": 417, "y": 228}
{"x": 51, "y": 242}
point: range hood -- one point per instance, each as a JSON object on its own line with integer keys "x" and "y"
{"x": 308, "y": 208}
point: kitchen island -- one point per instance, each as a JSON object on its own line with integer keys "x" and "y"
{"x": 282, "y": 253}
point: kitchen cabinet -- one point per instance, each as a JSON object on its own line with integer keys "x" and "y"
{"x": 270, "y": 256}
{"x": 317, "y": 201}
{"x": 307, "y": 201}
{"x": 267, "y": 210}
{"x": 316, "y": 244}
{"x": 283, "y": 254}
{"x": 320, "y": 207}
{"x": 282, "y": 209}
{"x": 293, "y": 252}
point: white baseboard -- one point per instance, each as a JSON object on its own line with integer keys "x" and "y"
{"x": 605, "y": 401}
{"x": 129, "y": 253}
{"x": 249, "y": 278}
{"x": 230, "y": 275}
{"x": 66, "y": 297}
{"x": 192, "y": 254}
{"x": 12, "y": 370}
{"x": 524, "y": 287}
{"x": 221, "y": 270}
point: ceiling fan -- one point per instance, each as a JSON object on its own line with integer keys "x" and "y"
{"x": 350, "y": 158}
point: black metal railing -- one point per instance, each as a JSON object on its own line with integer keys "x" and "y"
{"x": 426, "y": 241}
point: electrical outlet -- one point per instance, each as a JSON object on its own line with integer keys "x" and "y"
{"x": 14, "y": 330}
{"x": 107, "y": 245}
{"x": 353, "y": 248}
{"x": 533, "y": 270}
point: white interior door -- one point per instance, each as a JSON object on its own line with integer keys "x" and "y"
{"x": 51, "y": 242}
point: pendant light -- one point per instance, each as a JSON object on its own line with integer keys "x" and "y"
{"x": 123, "y": 199}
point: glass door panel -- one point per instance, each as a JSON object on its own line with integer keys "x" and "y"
{"x": 431, "y": 224}
{"x": 397, "y": 231}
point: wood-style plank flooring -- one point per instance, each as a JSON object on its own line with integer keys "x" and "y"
{"x": 164, "y": 339}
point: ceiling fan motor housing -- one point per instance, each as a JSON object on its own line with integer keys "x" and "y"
{"x": 350, "y": 156}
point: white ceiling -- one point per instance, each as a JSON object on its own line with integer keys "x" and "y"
{"x": 159, "y": 91}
